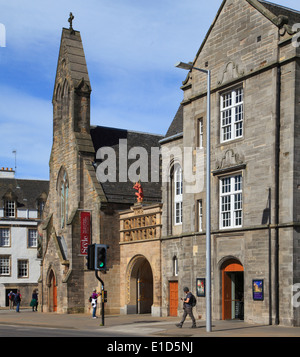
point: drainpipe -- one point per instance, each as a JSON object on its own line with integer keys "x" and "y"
{"x": 277, "y": 168}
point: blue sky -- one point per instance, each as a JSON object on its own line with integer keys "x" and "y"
{"x": 131, "y": 47}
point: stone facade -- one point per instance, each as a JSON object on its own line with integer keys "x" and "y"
{"x": 66, "y": 284}
{"x": 255, "y": 81}
{"x": 140, "y": 259}
{"x": 254, "y": 182}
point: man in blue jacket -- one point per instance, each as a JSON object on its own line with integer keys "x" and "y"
{"x": 18, "y": 300}
{"x": 187, "y": 308}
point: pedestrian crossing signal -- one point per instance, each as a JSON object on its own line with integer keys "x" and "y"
{"x": 100, "y": 257}
{"x": 96, "y": 257}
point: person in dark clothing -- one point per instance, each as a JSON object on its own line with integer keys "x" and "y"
{"x": 34, "y": 300}
{"x": 18, "y": 300}
{"x": 187, "y": 308}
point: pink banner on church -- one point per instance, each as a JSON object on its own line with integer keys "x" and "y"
{"x": 85, "y": 234}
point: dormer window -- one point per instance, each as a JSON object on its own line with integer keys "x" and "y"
{"x": 9, "y": 209}
{"x": 40, "y": 204}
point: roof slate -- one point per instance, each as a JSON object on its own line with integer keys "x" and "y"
{"x": 26, "y": 192}
{"x": 123, "y": 191}
{"x": 176, "y": 126}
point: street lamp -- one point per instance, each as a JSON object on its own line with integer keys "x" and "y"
{"x": 189, "y": 66}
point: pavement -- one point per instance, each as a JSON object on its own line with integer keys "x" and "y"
{"x": 144, "y": 325}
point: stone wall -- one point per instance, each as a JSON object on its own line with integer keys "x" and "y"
{"x": 242, "y": 50}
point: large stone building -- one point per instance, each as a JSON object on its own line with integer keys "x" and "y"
{"x": 90, "y": 171}
{"x": 21, "y": 206}
{"x": 255, "y": 165}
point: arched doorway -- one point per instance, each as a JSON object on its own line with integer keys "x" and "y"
{"x": 232, "y": 290}
{"x": 140, "y": 286}
{"x": 52, "y": 292}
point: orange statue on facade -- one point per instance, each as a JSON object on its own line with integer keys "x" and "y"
{"x": 139, "y": 193}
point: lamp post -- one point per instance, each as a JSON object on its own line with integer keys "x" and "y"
{"x": 189, "y": 66}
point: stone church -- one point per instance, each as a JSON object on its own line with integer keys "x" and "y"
{"x": 82, "y": 209}
{"x": 251, "y": 52}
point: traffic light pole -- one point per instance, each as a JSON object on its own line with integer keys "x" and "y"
{"x": 102, "y": 296}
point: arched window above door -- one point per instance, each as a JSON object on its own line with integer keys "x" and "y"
{"x": 63, "y": 193}
{"x": 175, "y": 266}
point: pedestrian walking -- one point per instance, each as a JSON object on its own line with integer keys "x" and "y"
{"x": 34, "y": 300}
{"x": 11, "y": 298}
{"x": 18, "y": 299}
{"x": 93, "y": 300}
{"x": 188, "y": 303}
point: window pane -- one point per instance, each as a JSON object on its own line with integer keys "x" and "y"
{"x": 178, "y": 181}
{"x": 4, "y": 237}
{"x": 226, "y": 204}
{"x": 178, "y": 212}
{"x": 9, "y": 208}
{"x": 239, "y": 116}
{"x": 200, "y": 123}
{"x": 4, "y": 266}
{"x": 226, "y": 185}
{"x": 239, "y": 95}
{"x": 227, "y": 100}
{"x": 238, "y": 183}
{"x": 231, "y": 205}
{"x": 232, "y": 114}
{"x": 32, "y": 238}
{"x": 200, "y": 215}
{"x": 226, "y": 218}
{"x": 22, "y": 268}
{"x": 175, "y": 266}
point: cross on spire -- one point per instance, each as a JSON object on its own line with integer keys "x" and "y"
{"x": 71, "y": 18}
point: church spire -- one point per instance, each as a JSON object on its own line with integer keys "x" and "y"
{"x": 72, "y": 89}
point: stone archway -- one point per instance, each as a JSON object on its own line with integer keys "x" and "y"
{"x": 139, "y": 286}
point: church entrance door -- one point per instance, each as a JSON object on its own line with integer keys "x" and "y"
{"x": 232, "y": 290}
{"x": 52, "y": 293}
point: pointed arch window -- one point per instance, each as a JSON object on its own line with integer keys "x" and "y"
{"x": 64, "y": 192}
{"x": 65, "y": 100}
